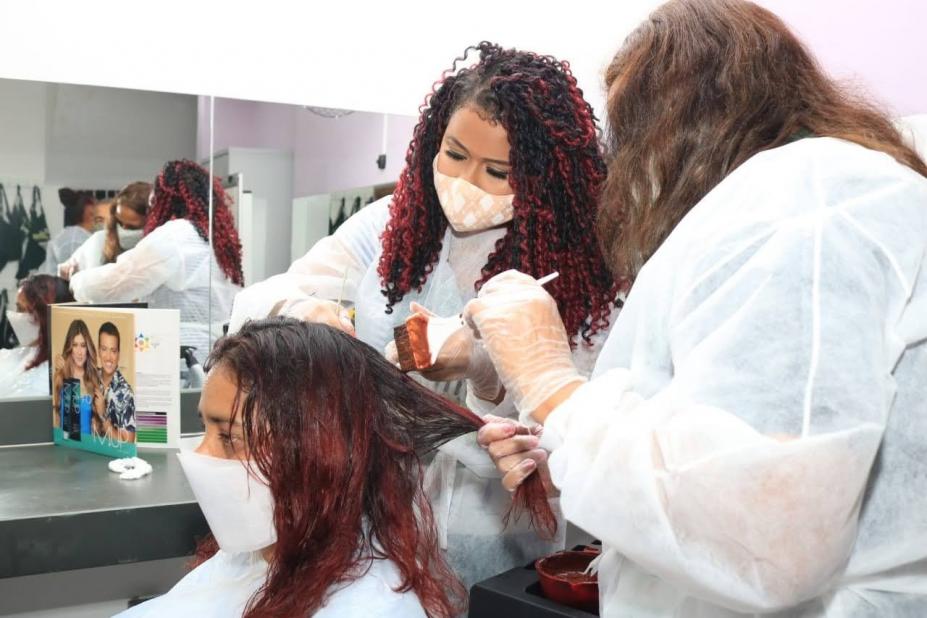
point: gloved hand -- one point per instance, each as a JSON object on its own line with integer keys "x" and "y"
{"x": 67, "y": 269}
{"x": 521, "y": 329}
{"x": 461, "y": 357}
{"x": 320, "y": 311}
{"x": 516, "y": 455}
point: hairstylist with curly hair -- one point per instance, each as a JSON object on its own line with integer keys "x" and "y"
{"x": 171, "y": 265}
{"x": 503, "y": 171}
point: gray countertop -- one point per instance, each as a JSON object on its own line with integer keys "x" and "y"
{"x": 49, "y": 481}
{"x": 62, "y": 509}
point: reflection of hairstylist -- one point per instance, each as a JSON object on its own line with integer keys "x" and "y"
{"x": 504, "y": 171}
{"x": 123, "y": 231}
{"x": 24, "y": 369}
{"x": 753, "y": 439}
{"x": 119, "y": 413}
{"x": 171, "y": 266}
{"x": 78, "y": 361}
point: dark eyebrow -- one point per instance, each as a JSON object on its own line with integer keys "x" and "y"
{"x": 215, "y": 419}
{"x": 457, "y": 143}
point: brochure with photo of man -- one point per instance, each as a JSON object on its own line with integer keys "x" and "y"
{"x": 115, "y": 384}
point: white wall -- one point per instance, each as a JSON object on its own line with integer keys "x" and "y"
{"x": 91, "y": 137}
{"x": 86, "y": 137}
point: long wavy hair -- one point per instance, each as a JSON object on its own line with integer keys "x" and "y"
{"x": 181, "y": 191}
{"x": 41, "y": 291}
{"x": 133, "y": 196}
{"x": 557, "y": 172}
{"x": 340, "y": 434}
{"x": 697, "y": 89}
{"x": 91, "y": 378}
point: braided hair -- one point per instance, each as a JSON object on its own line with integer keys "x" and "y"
{"x": 181, "y": 192}
{"x": 557, "y": 172}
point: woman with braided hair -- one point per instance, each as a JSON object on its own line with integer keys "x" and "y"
{"x": 503, "y": 171}
{"x": 172, "y": 265}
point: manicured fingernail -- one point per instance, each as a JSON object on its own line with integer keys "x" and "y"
{"x": 528, "y": 464}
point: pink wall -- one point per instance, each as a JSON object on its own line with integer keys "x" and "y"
{"x": 878, "y": 45}
{"x": 329, "y": 154}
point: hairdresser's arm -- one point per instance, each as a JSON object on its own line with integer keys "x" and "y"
{"x": 332, "y": 270}
{"x": 135, "y": 274}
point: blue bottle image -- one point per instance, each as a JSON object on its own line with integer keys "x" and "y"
{"x": 86, "y": 413}
{"x": 70, "y": 409}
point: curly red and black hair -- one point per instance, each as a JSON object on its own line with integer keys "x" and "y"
{"x": 557, "y": 172}
{"x": 181, "y": 191}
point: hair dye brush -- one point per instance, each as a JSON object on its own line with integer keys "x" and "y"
{"x": 419, "y": 340}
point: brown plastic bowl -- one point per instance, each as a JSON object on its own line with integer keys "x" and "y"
{"x": 562, "y": 580}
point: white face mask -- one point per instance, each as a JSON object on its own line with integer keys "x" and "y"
{"x": 238, "y": 506}
{"x": 467, "y": 207}
{"x": 25, "y": 327}
{"x": 128, "y": 238}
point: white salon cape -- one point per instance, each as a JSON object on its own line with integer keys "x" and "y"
{"x": 222, "y": 586}
{"x": 170, "y": 268}
{"x": 90, "y": 253}
{"x": 62, "y": 246}
{"x": 462, "y": 483}
{"x": 16, "y": 380}
{"x": 754, "y": 440}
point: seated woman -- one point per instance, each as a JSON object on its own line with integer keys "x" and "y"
{"x": 24, "y": 369}
{"x": 310, "y": 476}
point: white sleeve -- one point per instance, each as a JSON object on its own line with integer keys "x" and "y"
{"x": 740, "y": 482}
{"x": 335, "y": 262}
{"x": 135, "y": 274}
{"x": 90, "y": 253}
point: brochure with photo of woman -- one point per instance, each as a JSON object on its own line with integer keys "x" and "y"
{"x": 114, "y": 378}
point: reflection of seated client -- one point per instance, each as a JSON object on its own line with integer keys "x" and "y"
{"x": 24, "y": 369}
{"x": 118, "y": 418}
{"x": 77, "y": 361}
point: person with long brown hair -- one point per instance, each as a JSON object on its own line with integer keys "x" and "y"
{"x": 753, "y": 438}
{"x": 310, "y": 476}
{"x": 123, "y": 230}
{"x": 78, "y": 360}
{"x": 24, "y": 369}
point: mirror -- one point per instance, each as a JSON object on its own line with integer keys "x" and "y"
{"x": 294, "y": 173}
{"x": 76, "y": 168}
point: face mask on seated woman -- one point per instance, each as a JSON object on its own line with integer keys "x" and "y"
{"x": 309, "y": 475}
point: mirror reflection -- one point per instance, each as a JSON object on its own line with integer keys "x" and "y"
{"x": 102, "y": 201}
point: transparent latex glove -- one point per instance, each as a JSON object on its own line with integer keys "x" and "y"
{"x": 515, "y": 451}
{"x": 319, "y": 311}
{"x": 520, "y": 327}
{"x": 461, "y": 357}
{"x": 67, "y": 269}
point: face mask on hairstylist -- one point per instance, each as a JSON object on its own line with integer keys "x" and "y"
{"x": 128, "y": 238}
{"x": 467, "y": 207}
{"x": 238, "y": 506}
{"x": 24, "y": 325}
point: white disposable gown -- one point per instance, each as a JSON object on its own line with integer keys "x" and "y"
{"x": 223, "y": 585}
{"x": 62, "y": 246}
{"x": 16, "y": 380}
{"x": 755, "y": 437}
{"x": 462, "y": 484}
{"x": 170, "y": 268}
{"x": 90, "y": 253}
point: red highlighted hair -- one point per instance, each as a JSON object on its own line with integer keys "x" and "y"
{"x": 181, "y": 191}
{"x": 557, "y": 173}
